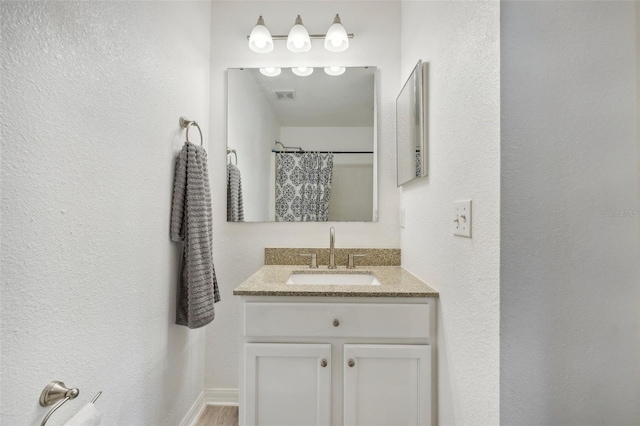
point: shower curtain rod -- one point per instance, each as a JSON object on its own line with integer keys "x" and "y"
{"x": 321, "y": 152}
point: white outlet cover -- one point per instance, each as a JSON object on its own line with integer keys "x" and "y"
{"x": 462, "y": 218}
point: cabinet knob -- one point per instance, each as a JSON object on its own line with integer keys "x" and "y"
{"x": 323, "y": 363}
{"x": 351, "y": 362}
{"x": 336, "y": 322}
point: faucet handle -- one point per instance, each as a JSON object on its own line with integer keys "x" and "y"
{"x": 314, "y": 259}
{"x": 351, "y": 264}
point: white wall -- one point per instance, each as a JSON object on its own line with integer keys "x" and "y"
{"x": 91, "y": 96}
{"x": 252, "y": 135}
{"x": 460, "y": 40}
{"x": 332, "y": 139}
{"x": 570, "y": 281}
{"x": 239, "y": 248}
{"x": 351, "y": 192}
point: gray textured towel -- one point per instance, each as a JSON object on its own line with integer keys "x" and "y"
{"x": 191, "y": 222}
{"x": 235, "y": 209}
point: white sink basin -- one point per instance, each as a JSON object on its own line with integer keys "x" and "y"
{"x": 332, "y": 279}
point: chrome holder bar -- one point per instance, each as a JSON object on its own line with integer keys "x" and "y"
{"x": 235, "y": 154}
{"x": 311, "y": 36}
{"x": 185, "y": 124}
{"x": 56, "y": 393}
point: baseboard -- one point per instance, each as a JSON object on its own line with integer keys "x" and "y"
{"x": 216, "y": 396}
{"x": 194, "y": 412}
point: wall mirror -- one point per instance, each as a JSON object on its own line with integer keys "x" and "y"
{"x": 301, "y": 144}
{"x": 412, "y": 126}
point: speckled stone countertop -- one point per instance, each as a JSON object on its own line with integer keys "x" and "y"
{"x": 271, "y": 280}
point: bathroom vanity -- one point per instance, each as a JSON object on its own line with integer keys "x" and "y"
{"x": 337, "y": 354}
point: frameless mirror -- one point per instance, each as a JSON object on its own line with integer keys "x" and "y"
{"x": 301, "y": 144}
{"x": 411, "y": 126}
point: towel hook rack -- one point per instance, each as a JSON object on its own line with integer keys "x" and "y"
{"x": 233, "y": 151}
{"x": 186, "y": 123}
{"x": 57, "y": 393}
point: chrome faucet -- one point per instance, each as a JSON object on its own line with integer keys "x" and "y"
{"x": 332, "y": 248}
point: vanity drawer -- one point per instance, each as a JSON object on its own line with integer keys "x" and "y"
{"x": 336, "y": 320}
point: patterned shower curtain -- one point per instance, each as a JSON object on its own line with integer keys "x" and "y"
{"x": 303, "y": 186}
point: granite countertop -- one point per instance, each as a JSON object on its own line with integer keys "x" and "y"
{"x": 270, "y": 280}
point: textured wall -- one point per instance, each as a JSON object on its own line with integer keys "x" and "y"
{"x": 240, "y": 247}
{"x": 570, "y": 282}
{"x": 91, "y": 95}
{"x": 460, "y": 40}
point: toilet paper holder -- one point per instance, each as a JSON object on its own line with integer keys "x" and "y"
{"x": 57, "y": 393}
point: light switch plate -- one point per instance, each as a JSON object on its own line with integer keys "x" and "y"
{"x": 402, "y": 217}
{"x": 462, "y": 218}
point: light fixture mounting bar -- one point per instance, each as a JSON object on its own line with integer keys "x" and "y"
{"x": 311, "y": 36}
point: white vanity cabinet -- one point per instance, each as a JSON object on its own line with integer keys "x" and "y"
{"x": 288, "y": 384}
{"x": 337, "y": 361}
{"x": 387, "y": 385}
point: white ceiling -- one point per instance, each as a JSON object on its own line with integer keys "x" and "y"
{"x": 321, "y": 100}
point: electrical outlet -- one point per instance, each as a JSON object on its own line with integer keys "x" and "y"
{"x": 462, "y": 218}
{"x": 402, "y": 218}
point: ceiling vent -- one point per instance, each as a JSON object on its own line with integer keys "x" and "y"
{"x": 285, "y": 95}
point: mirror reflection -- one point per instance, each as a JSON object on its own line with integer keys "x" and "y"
{"x": 411, "y": 127}
{"x": 301, "y": 144}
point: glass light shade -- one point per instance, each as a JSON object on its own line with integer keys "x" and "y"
{"x": 298, "y": 40}
{"x": 270, "y": 71}
{"x": 260, "y": 40}
{"x": 336, "y": 39}
{"x": 334, "y": 71}
{"x": 302, "y": 71}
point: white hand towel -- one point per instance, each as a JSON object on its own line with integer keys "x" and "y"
{"x": 87, "y": 416}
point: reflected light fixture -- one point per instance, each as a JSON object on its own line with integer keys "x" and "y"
{"x": 260, "y": 39}
{"x": 298, "y": 40}
{"x": 270, "y": 71}
{"x": 336, "y": 39}
{"x": 335, "y": 71}
{"x": 302, "y": 71}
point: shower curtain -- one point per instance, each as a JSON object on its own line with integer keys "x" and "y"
{"x": 303, "y": 186}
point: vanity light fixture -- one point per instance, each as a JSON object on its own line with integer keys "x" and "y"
{"x": 260, "y": 39}
{"x": 334, "y": 71}
{"x": 336, "y": 39}
{"x": 302, "y": 71}
{"x": 270, "y": 71}
{"x": 299, "y": 40}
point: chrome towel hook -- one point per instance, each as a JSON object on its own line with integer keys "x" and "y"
{"x": 57, "y": 393}
{"x": 185, "y": 124}
{"x": 233, "y": 151}
{"x": 54, "y": 392}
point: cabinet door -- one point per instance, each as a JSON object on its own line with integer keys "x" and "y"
{"x": 288, "y": 384}
{"x": 387, "y": 385}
